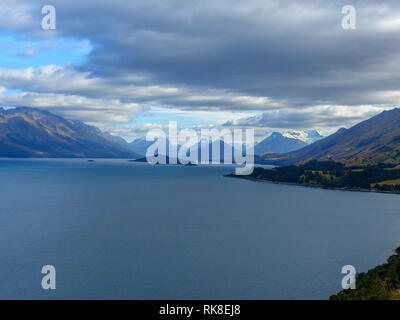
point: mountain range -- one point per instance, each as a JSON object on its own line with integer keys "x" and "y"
{"x": 373, "y": 141}
{"x": 277, "y": 142}
{"x": 29, "y": 132}
{"x": 140, "y": 145}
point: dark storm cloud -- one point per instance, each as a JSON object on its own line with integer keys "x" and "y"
{"x": 279, "y": 49}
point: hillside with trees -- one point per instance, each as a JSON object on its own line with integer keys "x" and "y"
{"x": 326, "y": 173}
{"x": 379, "y": 283}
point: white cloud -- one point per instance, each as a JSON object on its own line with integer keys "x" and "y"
{"x": 325, "y": 118}
{"x": 96, "y": 99}
{"x": 92, "y": 110}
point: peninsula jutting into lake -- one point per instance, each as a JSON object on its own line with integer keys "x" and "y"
{"x": 333, "y": 175}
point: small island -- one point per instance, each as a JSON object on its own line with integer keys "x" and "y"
{"x": 332, "y": 174}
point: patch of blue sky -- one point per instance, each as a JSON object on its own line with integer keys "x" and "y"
{"x": 23, "y": 53}
{"x": 9, "y": 92}
{"x": 163, "y": 118}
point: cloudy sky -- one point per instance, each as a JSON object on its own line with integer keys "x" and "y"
{"x": 127, "y": 66}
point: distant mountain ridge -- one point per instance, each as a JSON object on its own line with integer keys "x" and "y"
{"x": 140, "y": 145}
{"x": 286, "y": 141}
{"x": 200, "y": 149}
{"x": 29, "y": 132}
{"x": 373, "y": 141}
{"x": 278, "y": 143}
{"x": 308, "y": 136}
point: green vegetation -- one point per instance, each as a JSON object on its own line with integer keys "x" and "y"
{"x": 334, "y": 174}
{"x": 380, "y": 283}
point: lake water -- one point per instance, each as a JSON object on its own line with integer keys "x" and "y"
{"x": 120, "y": 230}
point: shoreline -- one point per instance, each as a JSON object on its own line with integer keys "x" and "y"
{"x": 369, "y": 282}
{"x": 250, "y": 178}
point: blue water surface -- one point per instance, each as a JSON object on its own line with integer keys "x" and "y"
{"x": 115, "y": 229}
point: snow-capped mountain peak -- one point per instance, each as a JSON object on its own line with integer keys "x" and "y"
{"x": 308, "y": 136}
